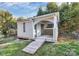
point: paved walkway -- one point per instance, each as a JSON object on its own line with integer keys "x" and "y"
{"x": 34, "y": 46}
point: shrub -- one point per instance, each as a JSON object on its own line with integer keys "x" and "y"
{"x": 11, "y": 32}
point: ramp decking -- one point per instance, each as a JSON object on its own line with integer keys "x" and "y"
{"x": 34, "y": 46}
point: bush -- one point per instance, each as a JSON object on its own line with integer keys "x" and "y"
{"x": 11, "y": 32}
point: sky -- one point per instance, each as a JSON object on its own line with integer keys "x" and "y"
{"x": 26, "y": 9}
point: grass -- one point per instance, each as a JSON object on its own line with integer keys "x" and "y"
{"x": 59, "y": 49}
{"x": 66, "y": 47}
{"x": 5, "y": 40}
{"x": 14, "y": 49}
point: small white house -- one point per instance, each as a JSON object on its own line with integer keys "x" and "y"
{"x": 45, "y": 26}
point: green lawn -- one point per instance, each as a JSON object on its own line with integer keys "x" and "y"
{"x": 14, "y": 48}
{"x": 5, "y": 40}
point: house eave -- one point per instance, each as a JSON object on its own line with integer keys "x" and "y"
{"x": 38, "y": 17}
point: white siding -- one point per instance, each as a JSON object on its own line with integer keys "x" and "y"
{"x": 28, "y": 30}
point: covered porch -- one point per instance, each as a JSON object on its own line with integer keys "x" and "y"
{"x": 46, "y": 28}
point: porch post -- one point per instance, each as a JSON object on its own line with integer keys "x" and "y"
{"x": 55, "y": 29}
{"x": 33, "y": 31}
{"x": 38, "y": 29}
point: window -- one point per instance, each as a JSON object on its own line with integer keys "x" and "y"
{"x": 49, "y": 26}
{"x": 23, "y": 27}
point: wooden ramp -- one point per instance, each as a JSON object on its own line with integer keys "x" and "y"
{"x": 33, "y": 46}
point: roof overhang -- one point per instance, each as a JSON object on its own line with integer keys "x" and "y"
{"x": 46, "y": 16}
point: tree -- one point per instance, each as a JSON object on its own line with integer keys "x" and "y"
{"x": 40, "y": 11}
{"x": 64, "y": 11}
{"x": 52, "y": 7}
{"x": 65, "y": 17}
{"x": 5, "y": 21}
{"x": 69, "y": 17}
{"x": 75, "y": 15}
